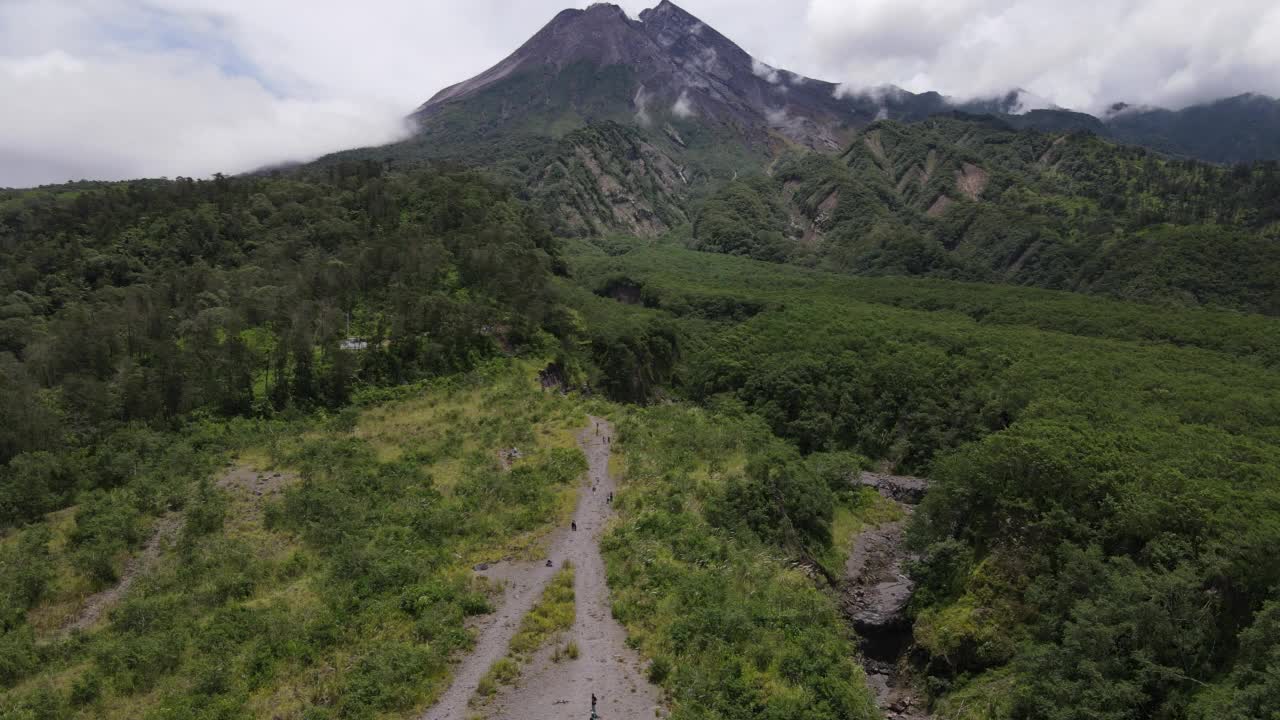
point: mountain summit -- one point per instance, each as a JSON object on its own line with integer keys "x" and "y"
{"x": 598, "y": 64}
{"x": 671, "y": 72}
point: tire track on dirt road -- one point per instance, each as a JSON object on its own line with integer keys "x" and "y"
{"x": 605, "y": 666}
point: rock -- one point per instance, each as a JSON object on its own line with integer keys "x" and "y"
{"x": 902, "y": 488}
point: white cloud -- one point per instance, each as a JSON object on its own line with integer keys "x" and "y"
{"x": 764, "y": 72}
{"x": 113, "y": 89}
{"x": 877, "y": 93}
{"x": 164, "y": 116}
{"x": 683, "y": 107}
{"x": 641, "y": 101}
{"x": 1085, "y": 54}
{"x": 121, "y": 88}
{"x": 1028, "y": 101}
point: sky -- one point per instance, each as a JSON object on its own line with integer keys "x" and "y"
{"x": 114, "y": 89}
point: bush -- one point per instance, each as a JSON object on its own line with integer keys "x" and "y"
{"x": 18, "y": 655}
{"x": 659, "y": 670}
{"x": 86, "y": 688}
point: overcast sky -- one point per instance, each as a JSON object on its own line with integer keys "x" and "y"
{"x": 110, "y": 89}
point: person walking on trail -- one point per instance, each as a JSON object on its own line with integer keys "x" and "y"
{"x": 573, "y": 524}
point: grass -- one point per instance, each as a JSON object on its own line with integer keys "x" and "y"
{"x": 552, "y": 615}
{"x": 868, "y": 509}
{"x": 731, "y": 627}
{"x": 68, "y": 588}
{"x": 271, "y": 614}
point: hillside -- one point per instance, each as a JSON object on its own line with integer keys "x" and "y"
{"x": 652, "y": 380}
{"x": 971, "y": 198}
{"x": 661, "y": 127}
{"x": 1095, "y": 539}
{"x": 223, "y": 506}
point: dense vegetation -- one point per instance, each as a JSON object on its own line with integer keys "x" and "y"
{"x": 971, "y": 199}
{"x": 339, "y": 594}
{"x": 698, "y": 570}
{"x": 145, "y": 302}
{"x": 1098, "y": 542}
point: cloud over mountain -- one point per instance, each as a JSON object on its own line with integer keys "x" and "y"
{"x": 122, "y": 88}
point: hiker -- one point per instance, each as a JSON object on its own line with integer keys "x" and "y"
{"x": 593, "y": 703}
{"x": 610, "y": 500}
{"x": 573, "y": 524}
{"x": 549, "y": 562}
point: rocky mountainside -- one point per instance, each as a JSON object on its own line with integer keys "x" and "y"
{"x": 625, "y": 125}
{"x": 669, "y": 66}
{"x": 973, "y": 198}
{"x": 666, "y": 67}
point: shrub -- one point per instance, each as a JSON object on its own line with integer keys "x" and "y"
{"x": 659, "y": 670}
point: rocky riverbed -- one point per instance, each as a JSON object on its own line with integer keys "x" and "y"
{"x": 875, "y": 592}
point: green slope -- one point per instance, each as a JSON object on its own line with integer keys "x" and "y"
{"x": 1098, "y": 538}
{"x": 972, "y": 199}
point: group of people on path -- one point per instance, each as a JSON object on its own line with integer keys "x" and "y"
{"x": 573, "y": 525}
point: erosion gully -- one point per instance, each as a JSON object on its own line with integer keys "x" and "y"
{"x": 874, "y": 596}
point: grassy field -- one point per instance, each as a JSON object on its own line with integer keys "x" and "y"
{"x": 341, "y": 593}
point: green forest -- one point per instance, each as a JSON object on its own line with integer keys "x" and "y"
{"x": 968, "y": 198}
{"x": 1080, "y": 350}
{"x": 1097, "y": 542}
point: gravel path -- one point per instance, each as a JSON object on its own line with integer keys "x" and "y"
{"x": 605, "y": 665}
{"x": 167, "y": 528}
{"x": 524, "y": 583}
{"x": 245, "y": 480}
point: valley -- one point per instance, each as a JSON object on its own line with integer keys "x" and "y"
{"x": 647, "y": 379}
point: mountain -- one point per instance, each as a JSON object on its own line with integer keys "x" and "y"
{"x": 1239, "y": 129}
{"x": 662, "y": 126}
{"x": 269, "y": 443}
{"x": 974, "y": 198}
{"x": 668, "y": 66}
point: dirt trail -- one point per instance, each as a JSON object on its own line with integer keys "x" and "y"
{"x": 606, "y": 666}
{"x": 524, "y": 583}
{"x": 167, "y": 528}
{"x": 237, "y": 480}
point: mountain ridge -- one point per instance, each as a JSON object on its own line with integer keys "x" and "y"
{"x": 680, "y": 67}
